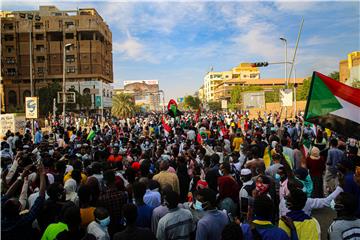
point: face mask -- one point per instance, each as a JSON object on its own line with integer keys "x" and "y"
{"x": 332, "y": 205}
{"x": 261, "y": 187}
{"x": 198, "y": 205}
{"x": 147, "y": 143}
{"x": 277, "y": 177}
{"x": 104, "y": 222}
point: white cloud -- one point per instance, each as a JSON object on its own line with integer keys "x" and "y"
{"x": 317, "y": 40}
{"x": 293, "y": 6}
{"x": 131, "y": 48}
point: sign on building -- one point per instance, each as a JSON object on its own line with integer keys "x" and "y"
{"x": 224, "y": 104}
{"x": 253, "y": 100}
{"x": 286, "y": 97}
{"x": 7, "y": 122}
{"x": 98, "y": 101}
{"x": 70, "y": 97}
{"x": 31, "y": 107}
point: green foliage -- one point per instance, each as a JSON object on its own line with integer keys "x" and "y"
{"x": 46, "y": 96}
{"x": 302, "y": 92}
{"x": 274, "y": 95}
{"x": 214, "y": 106}
{"x": 123, "y": 105}
{"x": 191, "y": 102}
{"x": 236, "y": 95}
{"x": 334, "y": 75}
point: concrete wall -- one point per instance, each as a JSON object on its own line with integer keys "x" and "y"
{"x": 275, "y": 107}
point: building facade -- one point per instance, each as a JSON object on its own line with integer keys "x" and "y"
{"x": 213, "y": 79}
{"x": 349, "y": 69}
{"x": 146, "y": 93}
{"x": 47, "y": 33}
{"x": 223, "y": 90}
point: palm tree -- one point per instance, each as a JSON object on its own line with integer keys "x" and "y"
{"x": 122, "y": 105}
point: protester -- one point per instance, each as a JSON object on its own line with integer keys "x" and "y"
{"x": 204, "y": 175}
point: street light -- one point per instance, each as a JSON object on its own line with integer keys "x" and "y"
{"x": 286, "y": 80}
{"x": 63, "y": 93}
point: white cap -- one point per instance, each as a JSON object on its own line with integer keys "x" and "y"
{"x": 245, "y": 171}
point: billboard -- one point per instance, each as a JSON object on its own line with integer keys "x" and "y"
{"x": 253, "y": 100}
{"x": 31, "y": 107}
{"x": 149, "y": 82}
{"x": 286, "y": 97}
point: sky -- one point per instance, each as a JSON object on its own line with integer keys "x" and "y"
{"x": 177, "y": 43}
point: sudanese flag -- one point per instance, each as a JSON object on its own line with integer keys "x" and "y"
{"x": 173, "y": 110}
{"x": 333, "y": 105}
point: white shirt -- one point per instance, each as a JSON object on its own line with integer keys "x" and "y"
{"x": 101, "y": 233}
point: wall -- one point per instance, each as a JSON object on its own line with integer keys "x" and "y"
{"x": 273, "y": 107}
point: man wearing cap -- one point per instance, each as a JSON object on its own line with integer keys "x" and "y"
{"x": 246, "y": 190}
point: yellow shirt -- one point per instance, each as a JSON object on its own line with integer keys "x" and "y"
{"x": 68, "y": 176}
{"x": 167, "y": 178}
{"x": 307, "y": 229}
{"x": 236, "y": 143}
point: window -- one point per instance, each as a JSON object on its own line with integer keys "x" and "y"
{"x": 70, "y": 69}
{"x": 10, "y": 60}
{"x": 40, "y": 70}
{"x": 86, "y": 91}
{"x": 69, "y": 36}
{"x": 11, "y": 71}
{"x": 70, "y": 58}
{"x": 12, "y": 98}
{"x": 103, "y": 92}
{"x": 39, "y": 26}
{"x": 40, "y": 48}
{"x": 9, "y": 37}
{"x": 39, "y": 36}
{"x": 8, "y": 26}
{"x": 69, "y": 24}
{"x": 40, "y": 59}
{"x": 26, "y": 93}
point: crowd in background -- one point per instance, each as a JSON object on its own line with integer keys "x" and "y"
{"x": 195, "y": 176}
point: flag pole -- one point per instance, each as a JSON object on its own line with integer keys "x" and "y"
{"x": 296, "y": 47}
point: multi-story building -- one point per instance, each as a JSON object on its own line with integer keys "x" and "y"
{"x": 223, "y": 90}
{"x": 146, "y": 93}
{"x": 212, "y": 79}
{"x": 47, "y": 33}
{"x": 349, "y": 69}
{"x": 201, "y": 93}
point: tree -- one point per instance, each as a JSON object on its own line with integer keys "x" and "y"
{"x": 122, "y": 105}
{"x": 46, "y": 97}
{"x": 302, "y": 92}
{"x": 191, "y": 102}
{"x": 334, "y": 75}
{"x": 236, "y": 94}
{"x": 214, "y": 106}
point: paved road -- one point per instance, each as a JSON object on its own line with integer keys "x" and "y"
{"x": 325, "y": 217}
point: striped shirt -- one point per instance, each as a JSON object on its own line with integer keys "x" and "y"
{"x": 177, "y": 224}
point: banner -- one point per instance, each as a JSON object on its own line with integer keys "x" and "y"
{"x": 7, "y": 122}
{"x": 31, "y": 107}
{"x": 286, "y": 97}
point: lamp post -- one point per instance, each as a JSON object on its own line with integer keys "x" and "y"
{"x": 286, "y": 80}
{"x": 63, "y": 93}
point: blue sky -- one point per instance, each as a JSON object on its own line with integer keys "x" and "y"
{"x": 178, "y": 42}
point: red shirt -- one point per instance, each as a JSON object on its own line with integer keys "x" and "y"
{"x": 113, "y": 158}
{"x": 316, "y": 167}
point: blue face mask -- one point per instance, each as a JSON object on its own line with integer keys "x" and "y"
{"x": 332, "y": 205}
{"x": 277, "y": 177}
{"x": 104, "y": 222}
{"x": 198, "y": 205}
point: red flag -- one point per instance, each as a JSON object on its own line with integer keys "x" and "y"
{"x": 166, "y": 127}
{"x": 197, "y": 116}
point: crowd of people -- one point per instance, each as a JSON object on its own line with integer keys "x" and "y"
{"x": 196, "y": 176}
